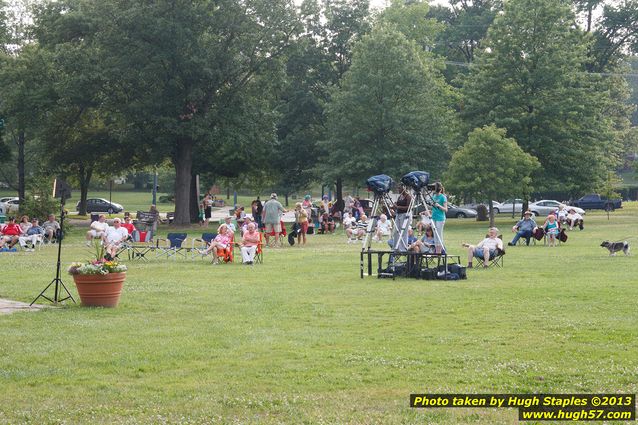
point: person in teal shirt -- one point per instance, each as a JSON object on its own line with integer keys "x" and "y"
{"x": 438, "y": 215}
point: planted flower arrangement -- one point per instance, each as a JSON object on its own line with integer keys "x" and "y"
{"x": 99, "y": 282}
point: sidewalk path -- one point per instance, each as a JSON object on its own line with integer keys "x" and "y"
{"x": 8, "y": 306}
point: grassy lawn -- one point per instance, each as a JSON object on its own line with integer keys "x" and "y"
{"x": 301, "y": 339}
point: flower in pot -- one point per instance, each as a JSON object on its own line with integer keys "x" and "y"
{"x": 99, "y": 281}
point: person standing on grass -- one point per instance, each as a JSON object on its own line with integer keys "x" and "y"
{"x": 403, "y": 220}
{"x": 272, "y": 222}
{"x": 438, "y": 215}
{"x": 301, "y": 217}
{"x": 257, "y": 210}
{"x": 249, "y": 244}
{"x": 208, "y": 207}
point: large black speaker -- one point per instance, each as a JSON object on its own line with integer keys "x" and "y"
{"x": 61, "y": 189}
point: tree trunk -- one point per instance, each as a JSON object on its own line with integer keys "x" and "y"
{"x": 183, "y": 162}
{"x": 525, "y": 207}
{"x": 21, "y": 183}
{"x": 339, "y": 188}
{"x": 84, "y": 176}
{"x": 194, "y": 202}
{"x": 491, "y": 211}
{"x": 286, "y": 196}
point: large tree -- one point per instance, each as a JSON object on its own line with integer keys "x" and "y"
{"x": 177, "y": 68}
{"x": 530, "y": 79}
{"x": 490, "y": 166}
{"x": 391, "y": 114}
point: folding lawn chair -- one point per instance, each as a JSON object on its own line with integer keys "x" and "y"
{"x": 172, "y": 245}
{"x": 202, "y": 243}
{"x": 227, "y": 255}
{"x": 495, "y": 260}
{"x": 139, "y": 245}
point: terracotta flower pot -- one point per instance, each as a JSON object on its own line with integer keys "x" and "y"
{"x": 100, "y": 290}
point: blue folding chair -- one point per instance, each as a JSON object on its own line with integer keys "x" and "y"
{"x": 201, "y": 244}
{"x": 172, "y": 245}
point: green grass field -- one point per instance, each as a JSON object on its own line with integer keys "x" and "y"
{"x": 302, "y": 339}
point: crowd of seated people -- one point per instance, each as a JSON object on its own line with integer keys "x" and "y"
{"x": 27, "y": 233}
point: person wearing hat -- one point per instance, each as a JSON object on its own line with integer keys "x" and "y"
{"x": 33, "y": 234}
{"x": 524, "y": 228}
{"x": 272, "y": 222}
{"x": 229, "y": 223}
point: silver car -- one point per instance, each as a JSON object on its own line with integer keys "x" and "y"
{"x": 508, "y": 205}
{"x": 546, "y": 206}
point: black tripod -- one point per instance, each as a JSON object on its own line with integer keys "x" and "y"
{"x": 59, "y": 285}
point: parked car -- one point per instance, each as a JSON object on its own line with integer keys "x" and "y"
{"x": 596, "y": 202}
{"x": 6, "y": 199}
{"x": 454, "y": 211}
{"x": 545, "y": 206}
{"x": 508, "y": 205}
{"x": 9, "y": 205}
{"x": 101, "y": 205}
{"x": 495, "y": 204}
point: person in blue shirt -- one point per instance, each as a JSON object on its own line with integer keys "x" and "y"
{"x": 524, "y": 228}
{"x": 438, "y": 215}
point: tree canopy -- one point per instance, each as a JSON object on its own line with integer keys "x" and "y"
{"x": 491, "y": 166}
{"x": 392, "y": 112}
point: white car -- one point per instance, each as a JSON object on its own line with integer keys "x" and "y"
{"x": 9, "y": 205}
{"x": 546, "y": 206}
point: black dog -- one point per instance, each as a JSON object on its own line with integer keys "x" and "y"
{"x": 615, "y": 247}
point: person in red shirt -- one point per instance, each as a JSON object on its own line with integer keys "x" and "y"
{"x": 128, "y": 225}
{"x": 11, "y": 232}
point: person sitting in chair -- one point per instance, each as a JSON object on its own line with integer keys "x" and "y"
{"x": 11, "y": 233}
{"x": 129, "y": 226}
{"x": 98, "y": 229}
{"x": 51, "y": 227}
{"x": 426, "y": 245}
{"x": 113, "y": 238}
{"x": 357, "y": 230}
{"x": 348, "y": 221}
{"x": 33, "y": 234}
{"x": 524, "y": 228}
{"x": 574, "y": 219}
{"x": 486, "y": 250}
{"x": 384, "y": 228}
{"x": 249, "y": 244}
{"x": 552, "y": 229}
{"x": 222, "y": 241}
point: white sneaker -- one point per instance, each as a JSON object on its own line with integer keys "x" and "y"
{"x": 88, "y": 243}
